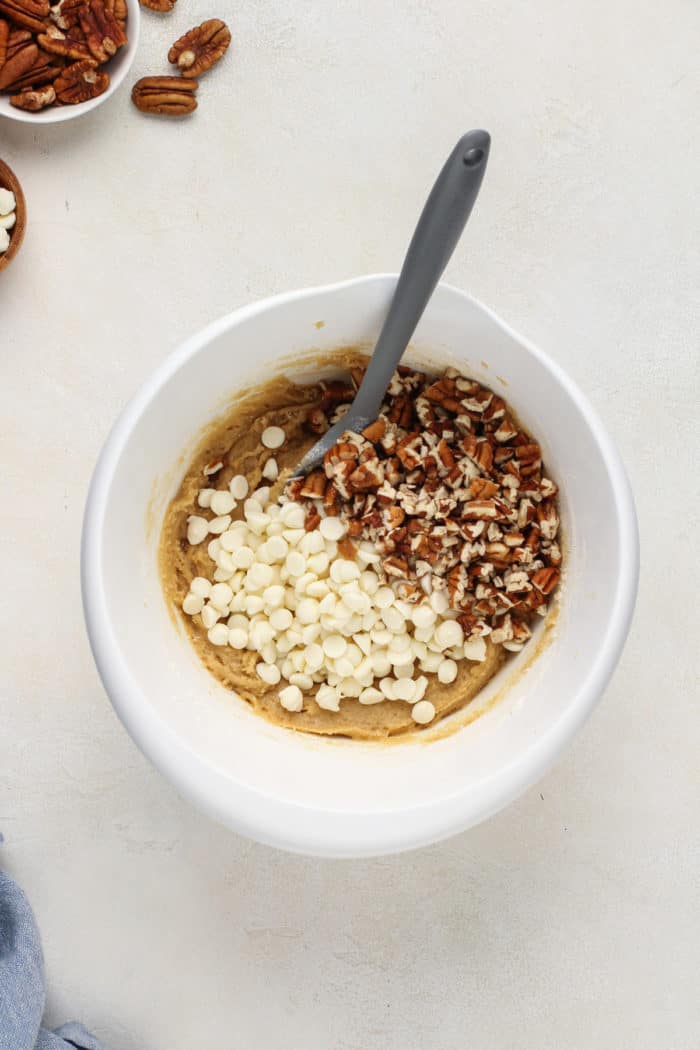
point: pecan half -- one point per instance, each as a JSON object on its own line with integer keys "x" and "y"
{"x": 167, "y": 96}
{"x": 103, "y": 32}
{"x": 34, "y": 100}
{"x": 70, "y": 42}
{"x": 29, "y": 14}
{"x": 158, "y": 5}
{"x": 66, "y": 13}
{"x": 42, "y": 72}
{"x": 4, "y": 38}
{"x": 200, "y": 48}
{"x": 18, "y": 64}
{"x": 80, "y": 81}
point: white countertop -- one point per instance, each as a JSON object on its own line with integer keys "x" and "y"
{"x": 571, "y": 919}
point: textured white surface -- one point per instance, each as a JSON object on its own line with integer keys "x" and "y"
{"x": 570, "y": 920}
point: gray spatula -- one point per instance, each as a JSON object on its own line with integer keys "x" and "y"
{"x": 439, "y": 228}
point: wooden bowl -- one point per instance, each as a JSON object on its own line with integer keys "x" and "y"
{"x": 9, "y": 181}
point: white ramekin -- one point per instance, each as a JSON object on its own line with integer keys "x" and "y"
{"x": 340, "y": 797}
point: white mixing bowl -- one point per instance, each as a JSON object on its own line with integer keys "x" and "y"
{"x": 342, "y": 797}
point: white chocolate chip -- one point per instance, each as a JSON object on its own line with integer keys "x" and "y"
{"x": 222, "y": 503}
{"x": 332, "y": 528}
{"x": 200, "y": 586}
{"x": 328, "y": 698}
{"x": 219, "y": 525}
{"x": 271, "y": 470}
{"x": 204, "y": 498}
{"x": 371, "y": 696}
{"x": 447, "y": 671}
{"x": 475, "y": 649}
{"x": 269, "y": 673}
{"x": 197, "y": 529}
{"x": 238, "y": 638}
{"x": 7, "y": 202}
{"x": 218, "y": 634}
{"x": 291, "y": 698}
{"x": 273, "y": 437}
{"x": 192, "y": 604}
{"x": 238, "y": 487}
{"x": 423, "y": 712}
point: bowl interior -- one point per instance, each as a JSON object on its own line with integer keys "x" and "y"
{"x": 9, "y": 181}
{"x": 117, "y": 67}
{"x": 336, "y": 796}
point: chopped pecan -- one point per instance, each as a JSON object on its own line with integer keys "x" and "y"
{"x": 200, "y": 48}
{"x": 313, "y": 485}
{"x": 34, "y": 100}
{"x": 395, "y": 566}
{"x": 103, "y": 33}
{"x": 375, "y": 431}
{"x": 316, "y": 421}
{"x": 347, "y": 549}
{"x": 330, "y": 497}
{"x": 505, "y": 431}
{"x": 80, "y": 81}
{"x": 367, "y": 476}
{"x": 548, "y": 519}
{"x": 482, "y": 509}
{"x": 545, "y": 580}
{"x": 158, "y": 5}
{"x": 335, "y": 393}
{"x": 167, "y": 96}
{"x": 312, "y": 519}
{"x": 481, "y": 488}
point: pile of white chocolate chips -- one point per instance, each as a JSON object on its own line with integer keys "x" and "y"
{"x": 7, "y": 217}
{"x": 417, "y": 540}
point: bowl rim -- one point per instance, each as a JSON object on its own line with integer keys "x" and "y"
{"x": 60, "y": 114}
{"x": 290, "y": 825}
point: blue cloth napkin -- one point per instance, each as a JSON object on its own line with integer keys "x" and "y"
{"x": 22, "y": 992}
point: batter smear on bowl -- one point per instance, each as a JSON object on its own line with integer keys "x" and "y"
{"x": 382, "y": 591}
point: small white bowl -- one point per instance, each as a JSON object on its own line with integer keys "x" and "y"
{"x": 341, "y": 797}
{"x": 117, "y": 67}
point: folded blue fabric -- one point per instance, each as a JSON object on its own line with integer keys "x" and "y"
{"x": 22, "y": 992}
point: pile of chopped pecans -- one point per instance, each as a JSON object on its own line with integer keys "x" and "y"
{"x": 451, "y": 492}
{"x": 431, "y": 530}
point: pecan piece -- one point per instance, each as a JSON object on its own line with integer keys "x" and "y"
{"x": 103, "y": 33}
{"x": 316, "y": 421}
{"x": 200, "y": 48}
{"x": 158, "y": 5}
{"x": 545, "y": 580}
{"x": 168, "y": 96}
{"x": 66, "y": 13}
{"x": 29, "y": 14}
{"x": 375, "y": 431}
{"x": 4, "y": 38}
{"x": 314, "y": 485}
{"x": 70, "y": 43}
{"x": 42, "y": 72}
{"x": 33, "y": 101}
{"x": 18, "y": 64}
{"x": 80, "y": 82}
